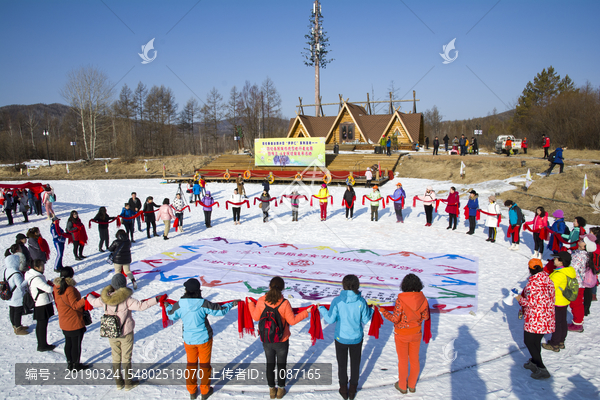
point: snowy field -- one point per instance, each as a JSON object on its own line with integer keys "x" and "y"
{"x": 472, "y": 356}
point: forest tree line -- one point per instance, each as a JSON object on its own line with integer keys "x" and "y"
{"x": 137, "y": 122}
{"x": 549, "y": 105}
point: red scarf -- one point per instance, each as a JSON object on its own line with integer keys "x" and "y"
{"x": 265, "y": 201}
{"x": 104, "y": 223}
{"x": 236, "y": 204}
{"x": 390, "y": 198}
{"x": 368, "y": 198}
{"x": 212, "y": 205}
{"x": 321, "y": 198}
{"x": 466, "y": 208}
{"x": 491, "y": 214}
{"x": 348, "y": 205}
{"x": 44, "y": 247}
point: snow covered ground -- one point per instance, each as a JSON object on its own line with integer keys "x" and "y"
{"x": 470, "y": 356}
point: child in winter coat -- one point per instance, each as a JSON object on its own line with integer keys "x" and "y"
{"x": 563, "y": 270}
{"x": 150, "y": 217}
{"x": 193, "y": 311}
{"x": 208, "y": 201}
{"x": 295, "y": 203}
{"x": 202, "y": 184}
{"x": 581, "y": 259}
{"x": 18, "y": 286}
{"x": 349, "y": 199}
{"x": 78, "y": 235}
{"x": 42, "y": 311}
{"x": 118, "y": 295}
{"x": 323, "y": 196}
{"x": 452, "y": 208}
{"x": 410, "y": 310}
{"x": 472, "y": 205}
{"x": 48, "y": 197}
{"x": 374, "y": 196}
{"x": 265, "y": 205}
{"x": 59, "y": 237}
{"x": 428, "y": 199}
{"x": 276, "y": 352}
{"x": 178, "y": 205}
{"x": 121, "y": 250}
{"x": 515, "y": 220}
{"x": 129, "y": 224}
{"x": 368, "y": 177}
{"x": 197, "y": 191}
{"x": 492, "y": 221}
{"x": 236, "y": 198}
{"x": 560, "y": 228}
{"x": 102, "y": 219}
{"x": 538, "y": 226}
{"x": 70, "y": 307}
{"x": 166, "y": 215}
{"x": 538, "y": 308}
{"x": 399, "y": 197}
{"x": 578, "y": 230}
{"x": 350, "y": 312}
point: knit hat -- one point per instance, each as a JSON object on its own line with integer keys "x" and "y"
{"x": 590, "y": 242}
{"x": 535, "y": 262}
{"x": 558, "y": 214}
{"x": 429, "y": 188}
{"x": 192, "y": 285}
{"x": 20, "y": 236}
{"x": 492, "y": 198}
{"x": 118, "y": 281}
{"x": 323, "y": 185}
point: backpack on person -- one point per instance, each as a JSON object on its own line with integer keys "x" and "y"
{"x": 520, "y": 217}
{"x": 51, "y": 198}
{"x": 28, "y": 300}
{"x": 5, "y": 291}
{"x": 270, "y": 325}
{"x": 571, "y": 290}
{"x": 590, "y": 279}
{"x": 110, "y": 325}
{"x": 552, "y": 156}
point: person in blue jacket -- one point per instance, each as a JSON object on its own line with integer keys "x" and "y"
{"x": 59, "y": 238}
{"x": 129, "y": 224}
{"x": 559, "y": 227}
{"x": 556, "y": 160}
{"x": 350, "y": 312}
{"x": 196, "y": 189}
{"x": 18, "y": 286}
{"x": 193, "y": 311}
{"x": 515, "y": 220}
{"x": 400, "y": 197}
{"x": 472, "y": 205}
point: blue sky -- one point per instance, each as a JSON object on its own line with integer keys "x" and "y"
{"x": 203, "y": 44}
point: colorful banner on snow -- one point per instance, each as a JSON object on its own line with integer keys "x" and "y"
{"x": 314, "y": 273}
{"x": 289, "y": 152}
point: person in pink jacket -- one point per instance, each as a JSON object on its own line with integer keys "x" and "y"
{"x": 540, "y": 221}
{"x": 116, "y": 299}
{"x": 452, "y": 208}
{"x": 428, "y": 200}
{"x": 165, "y": 213}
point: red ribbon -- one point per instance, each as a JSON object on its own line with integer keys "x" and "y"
{"x": 321, "y": 198}
{"x": 493, "y": 215}
{"x": 292, "y": 197}
{"x": 466, "y": 208}
{"x": 368, "y": 198}
{"x": 377, "y": 322}
{"x": 138, "y": 214}
{"x": 558, "y": 236}
{"x": 182, "y": 210}
{"x": 265, "y": 201}
{"x": 110, "y": 221}
{"x": 390, "y": 198}
{"x": 236, "y": 204}
{"x": 348, "y": 205}
{"x": 543, "y": 232}
{"x": 212, "y": 205}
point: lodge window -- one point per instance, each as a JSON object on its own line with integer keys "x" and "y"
{"x": 347, "y": 132}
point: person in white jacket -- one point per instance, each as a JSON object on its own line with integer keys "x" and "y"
{"x": 236, "y": 198}
{"x": 368, "y": 177}
{"x": 492, "y": 221}
{"x": 178, "y": 205}
{"x": 18, "y": 286}
{"x": 44, "y": 309}
{"x": 428, "y": 200}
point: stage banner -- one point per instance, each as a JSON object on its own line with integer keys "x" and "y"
{"x": 289, "y": 152}
{"x": 314, "y": 272}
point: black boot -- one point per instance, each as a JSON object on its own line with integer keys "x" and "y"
{"x": 352, "y": 392}
{"x": 344, "y": 392}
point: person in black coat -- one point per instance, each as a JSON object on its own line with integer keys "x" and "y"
{"x": 121, "y": 251}
{"x": 462, "y": 142}
{"x": 21, "y": 241}
{"x": 149, "y": 216}
{"x": 102, "y": 219}
{"x": 136, "y": 205}
{"x": 265, "y": 185}
{"x": 427, "y": 143}
{"x": 436, "y": 146}
{"x": 446, "y": 139}
{"x": 8, "y": 207}
{"x": 349, "y": 199}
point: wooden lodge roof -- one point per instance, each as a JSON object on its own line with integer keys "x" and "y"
{"x": 372, "y": 127}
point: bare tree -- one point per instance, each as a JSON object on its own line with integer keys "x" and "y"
{"x": 32, "y": 123}
{"x": 89, "y": 91}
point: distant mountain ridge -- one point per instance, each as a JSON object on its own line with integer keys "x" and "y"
{"x": 52, "y": 110}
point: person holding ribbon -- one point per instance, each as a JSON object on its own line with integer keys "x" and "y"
{"x": 492, "y": 219}
{"x": 265, "y": 205}
{"x": 349, "y": 199}
{"x": 102, "y": 219}
{"x": 149, "y": 207}
{"x": 350, "y": 312}
{"x": 193, "y": 311}
{"x": 410, "y": 310}
{"x": 179, "y": 205}
{"x": 78, "y": 235}
{"x": 323, "y": 196}
{"x": 375, "y": 196}
{"x": 236, "y": 198}
{"x": 128, "y": 220}
{"x": 398, "y": 197}
{"x": 121, "y": 251}
{"x": 116, "y": 299}
{"x": 515, "y": 220}
{"x": 165, "y": 214}
{"x": 581, "y": 262}
{"x": 472, "y": 206}
{"x": 428, "y": 200}
{"x": 452, "y": 208}
{"x": 558, "y": 228}
{"x": 539, "y": 227}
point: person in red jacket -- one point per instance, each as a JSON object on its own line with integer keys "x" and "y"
{"x": 537, "y": 301}
{"x": 524, "y": 145}
{"x": 545, "y": 145}
{"x": 453, "y": 205}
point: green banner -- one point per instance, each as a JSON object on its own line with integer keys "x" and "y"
{"x": 288, "y": 152}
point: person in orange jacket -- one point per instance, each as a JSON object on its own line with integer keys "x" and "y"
{"x": 410, "y": 311}
{"x": 276, "y": 352}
